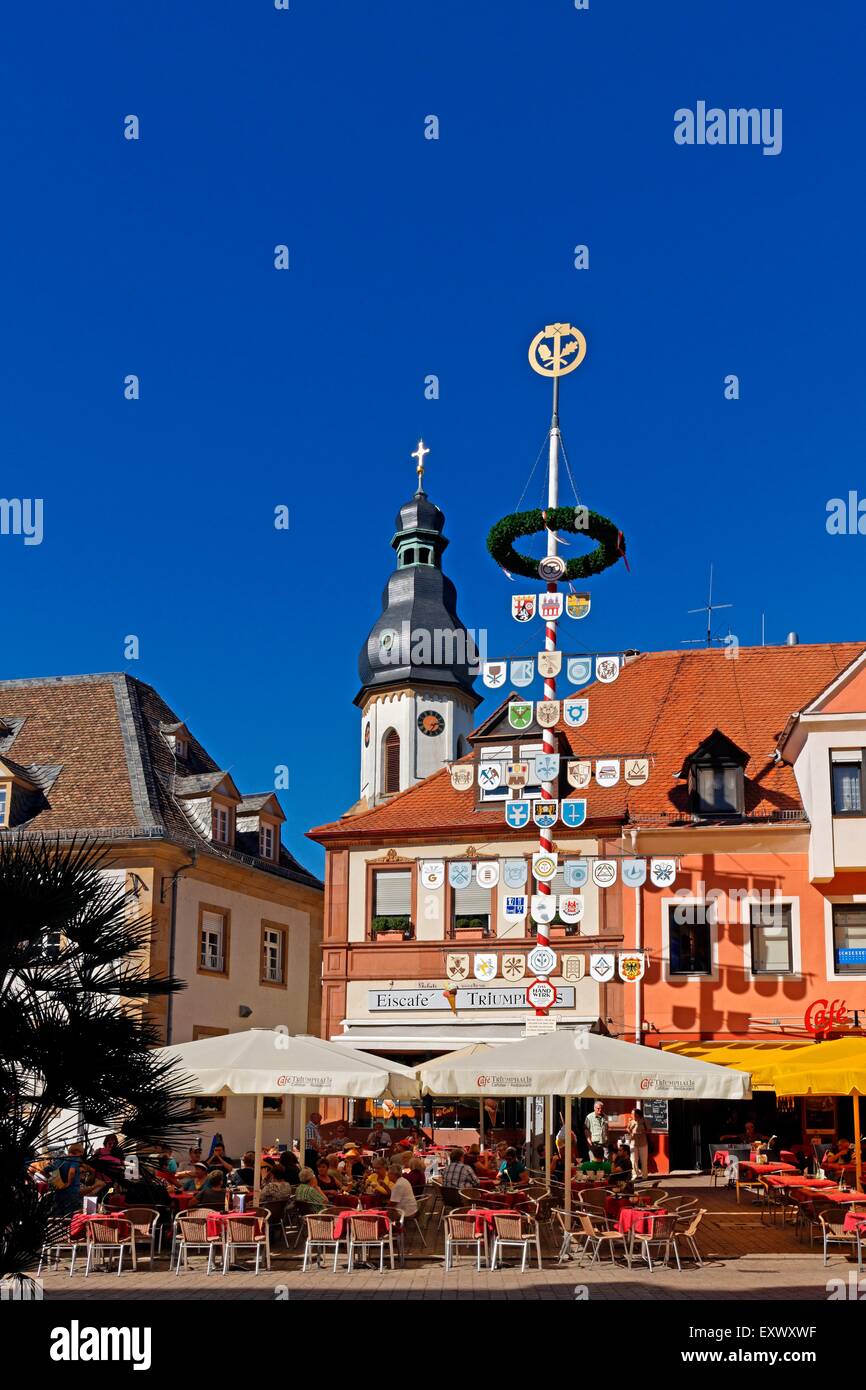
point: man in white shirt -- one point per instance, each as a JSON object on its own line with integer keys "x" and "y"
{"x": 402, "y": 1197}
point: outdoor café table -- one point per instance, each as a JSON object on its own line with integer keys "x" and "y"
{"x": 613, "y": 1206}
{"x": 750, "y": 1171}
{"x": 484, "y": 1218}
{"x": 839, "y": 1197}
{"x": 344, "y": 1218}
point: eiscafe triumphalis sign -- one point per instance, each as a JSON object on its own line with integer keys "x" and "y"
{"x": 433, "y": 1000}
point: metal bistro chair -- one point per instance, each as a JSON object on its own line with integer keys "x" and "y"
{"x": 104, "y": 1238}
{"x": 190, "y": 1233}
{"x": 832, "y": 1221}
{"x": 321, "y": 1238}
{"x": 451, "y": 1198}
{"x": 686, "y": 1229}
{"x": 146, "y": 1228}
{"x": 247, "y": 1231}
{"x": 460, "y": 1229}
{"x": 569, "y": 1226}
{"x": 662, "y": 1232}
{"x": 515, "y": 1228}
{"x": 364, "y": 1231}
{"x": 599, "y": 1238}
{"x": 61, "y": 1240}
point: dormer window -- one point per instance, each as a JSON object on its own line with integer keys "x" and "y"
{"x": 718, "y": 790}
{"x": 181, "y": 749}
{"x": 716, "y": 777}
{"x": 221, "y": 824}
{"x": 267, "y": 840}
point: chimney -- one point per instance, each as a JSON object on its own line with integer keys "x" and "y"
{"x": 792, "y": 640}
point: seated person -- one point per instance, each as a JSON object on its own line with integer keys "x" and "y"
{"x": 327, "y": 1179}
{"x": 402, "y": 1197}
{"x": 275, "y": 1188}
{"x": 416, "y": 1175}
{"x": 354, "y": 1161}
{"x": 377, "y": 1182}
{"x": 512, "y": 1167}
{"x": 245, "y": 1174}
{"x": 621, "y": 1166}
{"x": 308, "y": 1190}
{"x": 291, "y": 1168}
{"x": 487, "y": 1164}
{"x": 840, "y": 1154}
{"x": 219, "y": 1159}
{"x": 202, "y": 1179}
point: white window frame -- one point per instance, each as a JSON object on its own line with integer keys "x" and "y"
{"x": 501, "y": 755}
{"x": 267, "y": 946}
{"x": 267, "y": 830}
{"x": 713, "y": 923}
{"x": 5, "y": 802}
{"x": 844, "y": 900}
{"x": 203, "y": 954}
{"x": 753, "y": 899}
{"x": 217, "y": 812}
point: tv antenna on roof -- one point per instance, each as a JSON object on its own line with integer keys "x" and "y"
{"x": 709, "y": 608}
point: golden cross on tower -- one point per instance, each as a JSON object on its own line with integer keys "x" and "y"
{"x": 420, "y": 454}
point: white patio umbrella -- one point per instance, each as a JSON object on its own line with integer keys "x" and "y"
{"x": 575, "y": 1062}
{"x": 268, "y": 1062}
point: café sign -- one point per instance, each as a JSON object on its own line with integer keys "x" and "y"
{"x": 434, "y": 1001}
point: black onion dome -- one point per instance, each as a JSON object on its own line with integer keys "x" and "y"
{"x": 421, "y": 601}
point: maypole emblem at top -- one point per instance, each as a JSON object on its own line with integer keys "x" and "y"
{"x": 559, "y": 357}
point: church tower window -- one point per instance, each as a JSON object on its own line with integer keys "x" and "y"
{"x": 391, "y": 762}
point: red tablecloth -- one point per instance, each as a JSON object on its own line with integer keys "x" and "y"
{"x": 787, "y": 1180}
{"x": 853, "y": 1219}
{"x": 484, "y": 1216}
{"x": 80, "y": 1219}
{"x": 614, "y": 1205}
{"x": 383, "y": 1223}
{"x": 721, "y": 1156}
{"x": 182, "y": 1200}
{"x": 216, "y": 1221}
{"x": 836, "y": 1195}
{"x": 762, "y": 1170}
{"x": 640, "y": 1222}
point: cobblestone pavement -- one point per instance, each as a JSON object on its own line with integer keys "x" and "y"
{"x": 745, "y": 1257}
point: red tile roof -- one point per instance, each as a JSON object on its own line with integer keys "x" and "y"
{"x": 665, "y": 704}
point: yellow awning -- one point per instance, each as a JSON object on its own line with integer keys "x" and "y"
{"x": 790, "y": 1066}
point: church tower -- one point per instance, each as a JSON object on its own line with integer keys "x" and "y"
{"x": 418, "y": 665}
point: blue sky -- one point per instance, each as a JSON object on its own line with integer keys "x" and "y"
{"x": 411, "y": 257}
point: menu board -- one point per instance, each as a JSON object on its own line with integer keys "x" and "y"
{"x": 656, "y": 1114}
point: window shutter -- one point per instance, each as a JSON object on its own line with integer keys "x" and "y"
{"x": 393, "y": 894}
{"x": 392, "y": 761}
{"x": 472, "y": 901}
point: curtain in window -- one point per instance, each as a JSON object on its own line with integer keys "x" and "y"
{"x": 846, "y": 787}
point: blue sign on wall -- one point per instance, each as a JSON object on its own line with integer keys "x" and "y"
{"x": 852, "y": 955}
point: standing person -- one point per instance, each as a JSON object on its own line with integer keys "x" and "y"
{"x": 595, "y": 1129}
{"x": 313, "y": 1143}
{"x": 638, "y": 1131}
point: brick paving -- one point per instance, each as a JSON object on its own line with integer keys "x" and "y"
{"x": 745, "y": 1258}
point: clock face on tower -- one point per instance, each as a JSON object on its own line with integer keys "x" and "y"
{"x": 430, "y": 722}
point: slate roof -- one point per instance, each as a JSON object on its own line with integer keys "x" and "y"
{"x": 665, "y": 704}
{"x": 100, "y": 736}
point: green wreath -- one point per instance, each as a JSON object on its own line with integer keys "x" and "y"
{"x": 610, "y": 548}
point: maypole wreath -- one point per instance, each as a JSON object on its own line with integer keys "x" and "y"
{"x": 578, "y": 520}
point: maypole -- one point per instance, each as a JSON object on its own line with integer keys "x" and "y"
{"x": 566, "y": 353}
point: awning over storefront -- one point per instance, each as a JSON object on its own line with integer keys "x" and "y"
{"x": 790, "y": 1066}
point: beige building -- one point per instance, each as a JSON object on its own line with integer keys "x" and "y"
{"x": 235, "y": 916}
